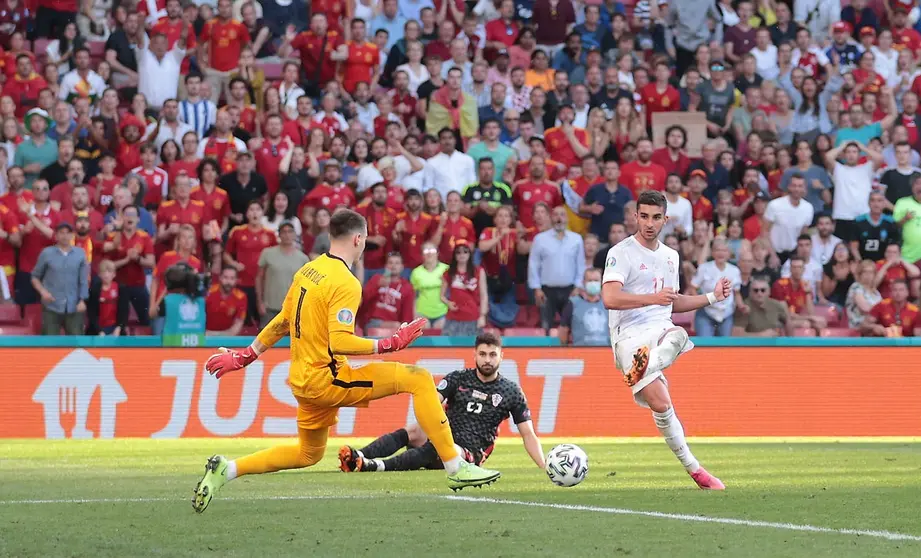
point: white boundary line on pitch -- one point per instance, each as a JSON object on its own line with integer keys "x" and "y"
{"x": 888, "y": 535}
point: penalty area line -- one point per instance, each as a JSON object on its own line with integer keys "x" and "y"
{"x": 888, "y": 535}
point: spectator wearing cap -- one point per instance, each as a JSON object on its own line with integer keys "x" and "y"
{"x": 605, "y": 201}
{"x": 858, "y": 15}
{"x": 717, "y": 101}
{"x": 556, "y": 267}
{"x": 412, "y": 229}
{"x": 701, "y": 206}
{"x": 843, "y": 47}
{"x": 715, "y": 175}
{"x": 277, "y": 266}
{"x": 61, "y": 277}
{"x": 38, "y": 150}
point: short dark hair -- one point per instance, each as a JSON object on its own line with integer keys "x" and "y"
{"x": 346, "y": 222}
{"x": 804, "y": 236}
{"x": 651, "y": 197}
{"x": 487, "y": 338}
{"x": 193, "y": 75}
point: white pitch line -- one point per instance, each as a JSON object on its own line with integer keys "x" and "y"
{"x": 888, "y": 535}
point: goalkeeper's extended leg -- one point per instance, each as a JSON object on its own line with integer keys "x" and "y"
{"x": 219, "y": 470}
{"x": 433, "y": 421}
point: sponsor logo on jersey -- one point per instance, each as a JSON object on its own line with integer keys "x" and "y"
{"x": 443, "y": 384}
{"x": 477, "y": 394}
{"x": 496, "y": 399}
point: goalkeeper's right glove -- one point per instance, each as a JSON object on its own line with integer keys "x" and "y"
{"x": 406, "y": 334}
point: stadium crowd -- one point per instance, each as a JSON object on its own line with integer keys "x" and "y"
{"x": 495, "y": 147}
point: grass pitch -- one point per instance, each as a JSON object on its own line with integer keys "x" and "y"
{"x": 132, "y": 498}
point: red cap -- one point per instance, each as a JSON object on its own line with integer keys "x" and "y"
{"x": 867, "y": 32}
{"x": 841, "y": 27}
{"x": 461, "y": 242}
{"x": 698, "y": 172}
{"x": 903, "y": 5}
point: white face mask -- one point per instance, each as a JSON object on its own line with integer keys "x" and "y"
{"x": 593, "y": 288}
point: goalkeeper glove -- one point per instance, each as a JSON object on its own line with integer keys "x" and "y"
{"x": 227, "y": 361}
{"x": 406, "y": 334}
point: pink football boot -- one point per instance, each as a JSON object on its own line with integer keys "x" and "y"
{"x": 706, "y": 481}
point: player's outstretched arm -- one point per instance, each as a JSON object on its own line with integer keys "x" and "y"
{"x": 226, "y": 360}
{"x": 343, "y": 306}
{"x": 685, "y": 303}
{"x": 532, "y": 443}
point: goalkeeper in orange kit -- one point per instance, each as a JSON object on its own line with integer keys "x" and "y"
{"x": 319, "y": 315}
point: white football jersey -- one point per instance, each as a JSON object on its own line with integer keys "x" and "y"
{"x": 641, "y": 271}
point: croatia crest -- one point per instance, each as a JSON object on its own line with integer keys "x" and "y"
{"x": 496, "y": 399}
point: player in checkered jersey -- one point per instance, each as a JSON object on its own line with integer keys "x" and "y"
{"x": 476, "y": 400}
{"x": 640, "y": 288}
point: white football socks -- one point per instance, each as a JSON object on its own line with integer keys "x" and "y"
{"x": 231, "y": 470}
{"x": 452, "y": 465}
{"x": 671, "y": 429}
{"x": 380, "y": 465}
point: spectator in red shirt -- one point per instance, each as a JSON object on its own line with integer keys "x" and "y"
{"x": 672, "y": 157}
{"x": 171, "y": 26}
{"x": 38, "y": 220}
{"x": 181, "y": 210}
{"x": 643, "y": 174}
{"x": 388, "y": 298}
{"x": 660, "y": 95}
{"x": 225, "y": 306}
{"x": 132, "y": 250}
{"x": 79, "y": 204}
{"x": 10, "y": 240}
{"x": 62, "y": 193}
{"x": 465, "y": 293}
{"x": 315, "y": 47}
{"x": 216, "y": 200}
{"x": 501, "y": 33}
{"x": 701, "y": 206}
{"x": 894, "y": 268}
{"x": 381, "y": 222}
{"x": 499, "y": 245}
{"x": 106, "y": 181}
{"x": 453, "y": 227}
{"x": 535, "y": 189}
{"x": 360, "y": 59}
{"x": 332, "y": 192}
{"x": 184, "y": 252}
{"x": 269, "y": 152}
{"x": 893, "y": 316}
{"x": 244, "y": 246}
{"x": 414, "y": 228}
{"x": 102, "y": 306}
{"x": 222, "y": 40}
{"x": 24, "y": 85}
{"x": 567, "y": 142}
{"x": 797, "y": 294}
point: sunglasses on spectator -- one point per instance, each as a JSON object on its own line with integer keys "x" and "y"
{"x": 430, "y": 251}
{"x": 760, "y": 290}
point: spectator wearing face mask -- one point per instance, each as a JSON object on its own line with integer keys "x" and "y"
{"x": 584, "y": 320}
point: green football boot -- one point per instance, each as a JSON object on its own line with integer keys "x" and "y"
{"x": 471, "y": 475}
{"x": 215, "y": 477}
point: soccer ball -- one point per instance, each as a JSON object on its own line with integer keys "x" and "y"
{"x": 567, "y": 465}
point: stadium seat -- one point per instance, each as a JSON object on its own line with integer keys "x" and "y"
{"x": 379, "y": 332}
{"x": 10, "y": 314}
{"x": 16, "y": 330}
{"x": 249, "y": 331}
{"x": 272, "y": 71}
{"x": 840, "y": 332}
{"x": 831, "y": 314}
{"x": 33, "y": 317}
{"x": 528, "y": 316}
{"x": 493, "y": 330}
{"x": 97, "y": 48}
{"x": 140, "y": 330}
{"x": 522, "y": 296}
{"x": 431, "y": 332}
{"x": 804, "y": 332}
{"x": 524, "y": 332}
{"x": 554, "y": 332}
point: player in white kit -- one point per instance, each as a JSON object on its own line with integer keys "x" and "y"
{"x": 641, "y": 291}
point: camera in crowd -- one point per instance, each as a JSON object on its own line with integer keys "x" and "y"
{"x": 182, "y": 278}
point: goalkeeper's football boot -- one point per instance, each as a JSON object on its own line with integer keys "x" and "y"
{"x": 350, "y": 460}
{"x": 706, "y": 481}
{"x": 215, "y": 477}
{"x": 471, "y": 475}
